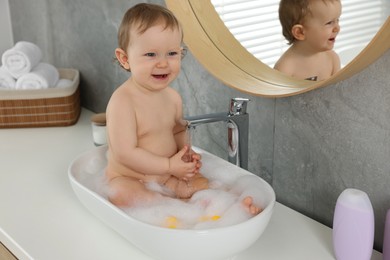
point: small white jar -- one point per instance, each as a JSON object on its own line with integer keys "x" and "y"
{"x": 99, "y": 134}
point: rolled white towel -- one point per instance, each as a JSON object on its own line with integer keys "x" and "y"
{"x": 64, "y": 83}
{"x": 44, "y": 75}
{"x": 6, "y": 80}
{"x": 21, "y": 58}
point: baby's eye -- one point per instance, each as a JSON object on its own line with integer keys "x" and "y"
{"x": 336, "y": 21}
{"x": 173, "y": 53}
{"x": 150, "y": 54}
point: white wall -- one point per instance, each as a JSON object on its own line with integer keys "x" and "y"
{"x": 6, "y": 37}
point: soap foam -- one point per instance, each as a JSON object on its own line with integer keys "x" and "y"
{"x": 219, "y": 206}
{"x": 210, "y": 208}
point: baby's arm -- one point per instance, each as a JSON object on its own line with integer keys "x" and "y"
{"x": 335, "y": 62}
{"x": 181, "y": 136}
{"x": 284, "y": 65}
{"x": 123, "y": 143}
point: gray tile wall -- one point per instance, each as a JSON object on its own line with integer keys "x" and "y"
{"x": 309, "y": 147}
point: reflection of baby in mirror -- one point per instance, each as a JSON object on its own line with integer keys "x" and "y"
{"x": 146, "y": 132}
{"x": 311, "y": 28}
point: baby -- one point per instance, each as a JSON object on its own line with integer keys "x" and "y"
{"x": 311, "y": 27}
{"x": 146, "y": 134}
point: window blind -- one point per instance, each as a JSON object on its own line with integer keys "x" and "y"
{"x": 255, "y": 24}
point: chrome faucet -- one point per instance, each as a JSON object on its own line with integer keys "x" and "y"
{"x": 238, "y": 129}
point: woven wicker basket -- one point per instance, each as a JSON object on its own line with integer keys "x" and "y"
{"x": 42, "y": 107}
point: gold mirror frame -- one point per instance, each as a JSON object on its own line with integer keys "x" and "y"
{"x": 224, "y": 57}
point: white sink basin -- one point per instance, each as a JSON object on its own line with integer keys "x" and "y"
{"x": 174, "y": 244}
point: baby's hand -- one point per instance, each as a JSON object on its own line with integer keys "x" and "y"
{"x": 195, "y": 155}
{"x": 180, "y": 168}
{"x": 196, "y": 158}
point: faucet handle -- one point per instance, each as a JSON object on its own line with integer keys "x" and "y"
{"x": 238, "y": 106}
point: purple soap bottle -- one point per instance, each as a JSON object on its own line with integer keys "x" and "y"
{"x": 386, "y": 238}
{"x": 353, "y": 226}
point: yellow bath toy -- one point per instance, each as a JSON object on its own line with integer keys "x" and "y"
{"x": 171, "y": 222}
{"x": 216, "y": 217}
{"x": 209, "y": 218}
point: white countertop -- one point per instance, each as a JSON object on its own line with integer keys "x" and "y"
{"x": 41, "y": 218}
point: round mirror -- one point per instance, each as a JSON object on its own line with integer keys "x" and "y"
{"x": 222, "y": 55}
{"x": 256, "y": 25}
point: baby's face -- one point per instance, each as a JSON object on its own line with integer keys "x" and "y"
{"x": 155, "y": 56}
{"x": 322, "y": 24}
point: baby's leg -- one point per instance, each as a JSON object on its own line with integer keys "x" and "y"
{"x": 185, "y": 188}
{"x": 126, "y": 191}
{"x": 247, "y": 202}
{"x": 176, "y": 185}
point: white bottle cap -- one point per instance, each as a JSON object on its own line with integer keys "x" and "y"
{"x": 356, "y": 199}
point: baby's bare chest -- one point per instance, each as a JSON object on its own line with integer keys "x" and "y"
{"x": 156, "y": 135}
{"x": 155, "y": 122}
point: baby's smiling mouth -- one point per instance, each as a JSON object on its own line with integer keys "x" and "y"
{"x": 160, "y": 76}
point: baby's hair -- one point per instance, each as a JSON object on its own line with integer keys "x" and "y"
{"x": 292, "y": 12}
{"x": 144, "y": 16}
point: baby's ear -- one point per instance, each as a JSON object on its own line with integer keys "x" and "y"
{"x": 298, "y": 32}
{"x": 122, "y": 57}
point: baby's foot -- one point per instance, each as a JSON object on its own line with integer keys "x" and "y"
{"x": 247, "y": 202}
